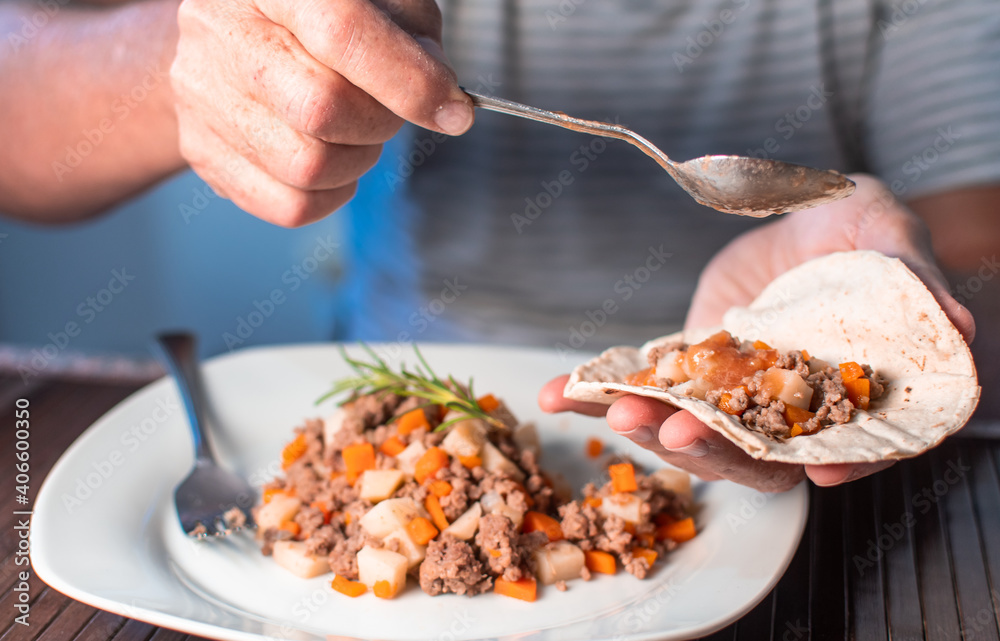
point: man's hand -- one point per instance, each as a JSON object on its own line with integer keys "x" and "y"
{"x": 870, "y": 219}
{"x": 283, "y": 105}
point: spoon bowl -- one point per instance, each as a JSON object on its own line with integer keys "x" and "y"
{"x": 732, "y": 184}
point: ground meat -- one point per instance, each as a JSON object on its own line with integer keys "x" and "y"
{"x": 456, "y": 502}
{"x": 497, "y": 541}
{"x": 268, "y": 538}
{"x": 413, "y": 490}
{"x": 371, "y": 410}
{"x": 767, "y": 420}
{"x": 613, "y": 538}
{"x": 323, "y": 540}
{"x": 309, "y": 519}
{"x": 561, "y": 586}
{"x": 637, "y": 566}
{"x": 578, "y": 522}
{"x": 343, "y": 558}
{"x": 303, "y": 479}
{"x": 451, "y": 566}
{"x": 655, "y": 354}
{"x": 793, "y": 360}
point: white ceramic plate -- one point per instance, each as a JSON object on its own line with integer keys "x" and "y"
{"x": 104, "y": 530}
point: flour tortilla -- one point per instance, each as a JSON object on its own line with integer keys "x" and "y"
{"x": 851, "y": 306}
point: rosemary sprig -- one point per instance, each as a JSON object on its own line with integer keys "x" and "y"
{"x": 377, "y": 377}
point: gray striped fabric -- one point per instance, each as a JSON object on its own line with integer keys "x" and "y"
{"x": 520, "y": 232}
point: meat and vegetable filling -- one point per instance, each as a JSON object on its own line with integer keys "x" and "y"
{"x": 415, "y": 477}
{"x": 779, "y": 395}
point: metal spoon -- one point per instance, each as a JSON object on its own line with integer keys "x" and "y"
{"x": 755, "y": 187}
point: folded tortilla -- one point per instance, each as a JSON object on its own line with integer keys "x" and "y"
{"x": 851, "y": 306}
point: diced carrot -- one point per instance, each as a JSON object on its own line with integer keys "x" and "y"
{"x": 433, "y": 506}
{"x": 767, "y": 357}
{"x": 594, "y": 447}
{"x": 488, "y": 403}
{"x": 642, "y": 377}
{"x": 270, "y": 493}
{"x": 796, "y": 430}
{"x": 593, "y": 501}
{"x": 645, "y": 553}
{"x": 347, "y": 518}
{"x": 413, "y": 420}
{"x": 358, "y": 458}
{"x": 647, "y": 539}
{"x": 623, "y": 477}
{"x": 471, "y": 461}
{"x": 850, "y": 371}
{"x": 392, "y": 446}
{"x": 334, "y": 474}
{"x": 761, "y": 345}
{"x": 293, "y": 451}
{"x": 440, "y": 488}
{"x": 681, "y": 531}
{"x": 291, "y": 527}
{"x": 384, "y": 590}
{"x": 348, "y": 587}
{"x": 538, "y": 522}
{"x": 494, "y": 553}
{"x": 859, "y": 391}
{"x": 630, "y": 527}
{"x": 429, "y": 463}
{"x": 797, "y": 414}
{"x": 322, "y": 507}
{"x": 600, "y": 561}
{"x": 421, "y": 530}
{"x": 525, "y": 588}
{"x": 806, "y": 356}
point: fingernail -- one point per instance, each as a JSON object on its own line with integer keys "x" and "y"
{"x": 695, "y": 449}
{"x": 641, "y": 434}
{"x": 454, "y": 117}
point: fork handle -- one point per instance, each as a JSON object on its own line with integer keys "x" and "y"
{"x": 177, "y": 351}
{"x": 559, "y": 119}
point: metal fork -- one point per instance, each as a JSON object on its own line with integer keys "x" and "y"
{"x": 210, "y": 501}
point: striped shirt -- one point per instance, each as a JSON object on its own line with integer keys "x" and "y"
{"x": 519, "y": 232}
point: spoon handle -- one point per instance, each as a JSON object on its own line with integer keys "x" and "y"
{"x": 560, "y": 119}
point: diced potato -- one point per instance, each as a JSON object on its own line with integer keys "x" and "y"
{"x": 378, "y": 485}
{"x": 382, "y": 565}
{"x": 333, "y": 423}
{"x": 678, "y": 481}
{"x": 517, "y": 518}
{"x": 558, "y": 561}
{"x": 292, "y": 556}
{"x": 627, "y": 506}
{"x": 407, "y": 459}
{"x": 465, "y": 526}
{"x": 493, "y": 503}
{"x": 785, "y": 385}
{"x": 526, "y": 437}
{"x": 465, "y": 438}
{"x": 389, "y": 515}
{"x": 279, "y": 509}
{"x": 817, "y": 365}
{"x": 409, "y": 548}
{"x": 495, "y": 461}
{"x": 670, "y": 366}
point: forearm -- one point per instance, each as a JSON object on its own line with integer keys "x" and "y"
{"x": 86, "y": 112}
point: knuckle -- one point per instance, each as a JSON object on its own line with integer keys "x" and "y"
{"x": 310, "y": 109}
{"x": 295, "y": 211}
{"x": 308, "y": 166}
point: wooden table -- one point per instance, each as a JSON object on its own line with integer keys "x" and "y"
{"x": 911, "y": 553}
